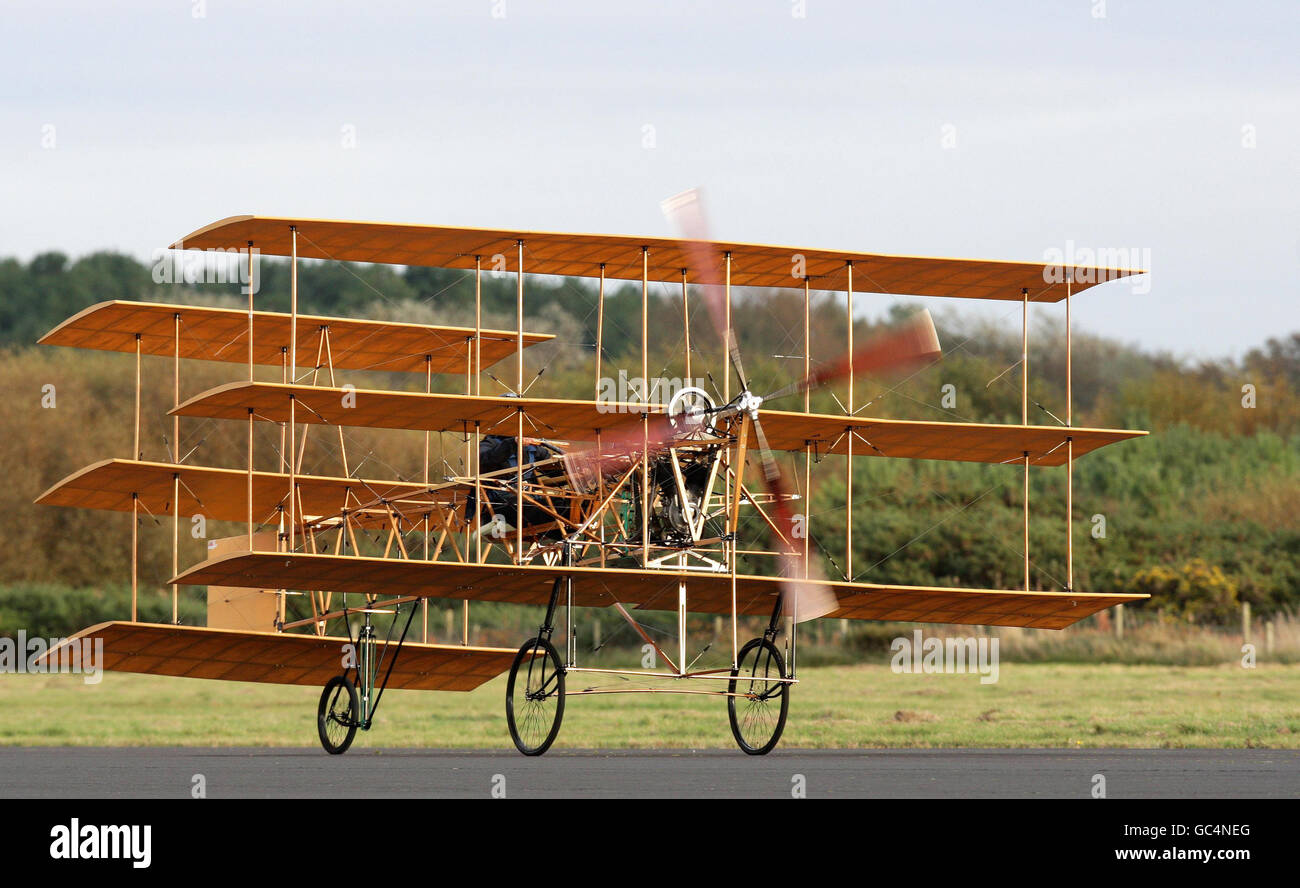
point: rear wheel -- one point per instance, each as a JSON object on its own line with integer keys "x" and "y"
{"x": 757, "y": 701}
{"x": 535, "y": 697}
{"x": 336, "y": 716}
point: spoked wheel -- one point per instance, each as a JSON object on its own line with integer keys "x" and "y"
{"x": 535, "y": 697}
{"x": 336, "y": 717}
{"x": 757, "y": 703}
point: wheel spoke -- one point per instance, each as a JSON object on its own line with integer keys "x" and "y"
{"x": 535, "y": 697}
{"x": 760, "y": 697}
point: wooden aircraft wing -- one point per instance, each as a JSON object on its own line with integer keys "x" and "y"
{"x": 580, "y": 420}
{"x": 646, "y": 589}
{"x": 272, "y": 657}
{"x": 618, "y": 256}
{"x": 221, "y": 334}
{"x": 222, "y": 494}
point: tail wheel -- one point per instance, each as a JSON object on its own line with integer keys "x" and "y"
{"x": 336, "y": 717}
{"x": 757, "y": 701}
{"x": 535, "y": 697}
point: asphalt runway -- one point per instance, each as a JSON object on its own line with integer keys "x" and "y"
{"x": 76, "y": 772}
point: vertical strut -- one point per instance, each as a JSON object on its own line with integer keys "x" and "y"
{"x": 600, "y": 327}
{"x": 519, "y": 390}
{"x": 250, "y": 312}
{"x": 135, "y": 450}
{"x": 135, "y": 555}
{"x": 478, "y": 324}
{"x": 176, "y": 388}
{"x": 686, "y": 327}
{"x": 646, "y": 494}
{"x": 1024, "y": 410}
{"x": 848, "y": 470}
{"x": 1069, "y": 442}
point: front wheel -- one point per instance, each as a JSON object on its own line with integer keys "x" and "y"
{"x": 757, "y": 701}
{"x": 535, "y": 697}
{"x": 336, "y": 716}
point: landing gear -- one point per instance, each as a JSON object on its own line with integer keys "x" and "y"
{"x": 757, "y": 686}
{"x": 535, "y": 696}
{"x": 336, "y": 716}
{"x": 758, "y": 697}
{"x": 349, "y": 701}
{"x": 535, "y": 690}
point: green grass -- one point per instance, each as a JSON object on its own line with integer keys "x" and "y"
{"x": 1032, "y": 705}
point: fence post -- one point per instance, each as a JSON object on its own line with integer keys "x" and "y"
{"x": 1119, "y": 621}
{"x": 1268, "y": 636}
{"x": 1245, "y": 622}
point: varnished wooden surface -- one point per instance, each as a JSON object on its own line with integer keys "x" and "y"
{"x": 574, "y": 420}
{"x": 558, "y": 253}
{"x": 222, "y": 494}
{"x": 279, "y": 658}
{"x": 646, "y": 589}
{"x": 221, "y": 334}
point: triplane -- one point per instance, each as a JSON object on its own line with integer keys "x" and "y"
{"x": 631, "y": 505}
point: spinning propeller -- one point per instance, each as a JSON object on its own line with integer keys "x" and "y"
{"x": 911, "y": 344}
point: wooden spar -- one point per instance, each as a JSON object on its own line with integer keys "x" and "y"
{"x": 1024, "y": 410}
{"x": 600, "y": 327}
{"x": 1024, "y": 358}
{"x": 478, "y": 498}
{"x": 645, "y": 407}
{"x": 176, "y": 388}
{"x": 807, "y": 346}
{"x": 250, "y": 479}
{"x": 726, "y": 333}
{"x": 250, "y": 313}
{"x": 807, "y": 396}
{"x": 686, "y": 327}
{"x": 428, "y": 387}
{"x": 519, "y": 391}
{"x": 645, "y": 326}
{"x": 135, "y": 555}
{"x": 1069, "y": 444}
{"x": 1026, "y": 521}
{"x": 284, "y": 430}
{"x": 478, "y": 324}
{"x": 293, "y": 475}
{"x": 849, "y": 270}
{"x": 176, "y": 541}
{"x": 726, "y": 481}
{"x": 293, "y": 377}
{"x": 600, "y": 492}
{"x": 848, "y": 457}
{"x": 807, "y": 496}
{"x": 293, "y": 304}
{"x": 135, "y": 451}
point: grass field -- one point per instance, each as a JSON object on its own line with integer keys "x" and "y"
{"x": 1032, "y": 705}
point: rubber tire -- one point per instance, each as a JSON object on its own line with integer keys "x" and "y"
{"x": 785, "y": 698}
{"x": 322, "y": 714}
{"x": 525, "y": 654}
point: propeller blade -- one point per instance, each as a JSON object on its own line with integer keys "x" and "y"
{"x": 686, "y": 212}
{"x": 799, "y": 599}
{"x": 913, "y": 343}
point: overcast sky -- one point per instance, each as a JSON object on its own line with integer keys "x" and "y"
{"x": 992, "y": 130}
